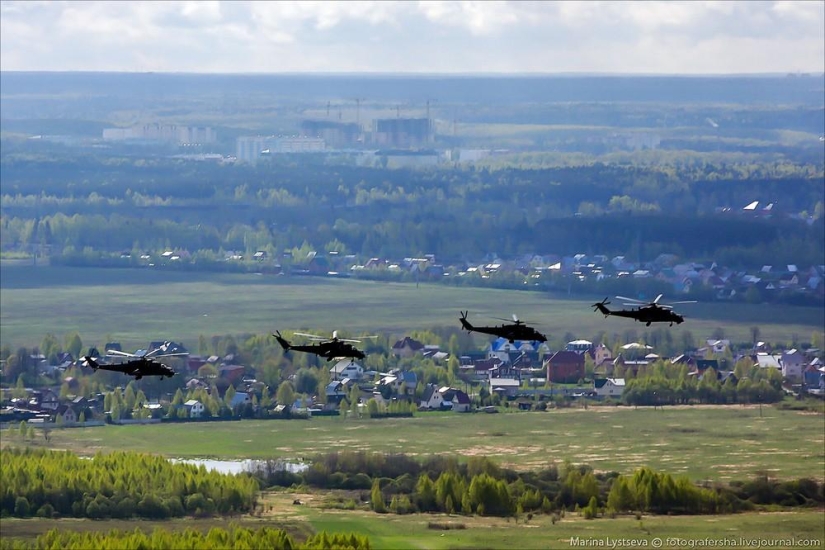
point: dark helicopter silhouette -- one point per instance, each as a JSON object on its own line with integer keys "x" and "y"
{"x": 327, "y": 348}
{"x": 514, "y": 331}
{"x": 138, "y": 365}
{"x": 645, "y": 312}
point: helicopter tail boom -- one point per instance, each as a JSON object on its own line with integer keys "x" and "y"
{"x": 282, "y": 341}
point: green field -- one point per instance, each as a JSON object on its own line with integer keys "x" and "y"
{"x": 797, "y": 529}
{"x": 135, "y": 305}
{"x": 719, "y": 443}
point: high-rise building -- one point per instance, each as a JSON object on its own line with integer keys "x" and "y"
{"x": 402, "y": 132}
{"x": 170, "y": 133}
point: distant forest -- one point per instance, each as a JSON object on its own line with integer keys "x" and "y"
{"x": 122, "y": 204}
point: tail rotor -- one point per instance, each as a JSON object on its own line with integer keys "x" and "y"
{"x": 282, "y": 340}
{"x": 602, "y": 306}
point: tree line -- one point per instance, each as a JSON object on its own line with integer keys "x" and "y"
{"x": 48, "y": 484}
{"x": 400, "y": 484}
{"x": 235, "y": 537}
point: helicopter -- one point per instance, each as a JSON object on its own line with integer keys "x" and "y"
{"x": 515, "y": 331}
{"x": 327, "y": 348}
{"x": 138, "y": 365}
{"x": 645, "y": 312}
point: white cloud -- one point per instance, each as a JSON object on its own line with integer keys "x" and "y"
{"x": 428, "y": 36}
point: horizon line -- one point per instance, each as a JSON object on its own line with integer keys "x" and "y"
{"x": 425, "y": 74}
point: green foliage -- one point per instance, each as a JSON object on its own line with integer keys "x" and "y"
{"x": 117, "y": 485}
{"x": 377, "y": 498}
{"x": 286, "y": 394}
{"x": 751, "y": 385}
{"x": 234, "y": 538}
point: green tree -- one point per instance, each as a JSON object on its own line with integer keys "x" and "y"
{"x": 619, "y": 499}
{"x": 229, "y": 396}
{"x": 74, "y": 344}
{"x": 285, "y": 394}
{"x": 377, "y": 498}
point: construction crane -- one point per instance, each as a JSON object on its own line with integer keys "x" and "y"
{"x": 358, "y": 101}
{"x": 429, "y": 121}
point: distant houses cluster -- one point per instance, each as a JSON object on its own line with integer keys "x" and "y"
{"x": 683, "y": 277}
{"x": 512, "y": 370}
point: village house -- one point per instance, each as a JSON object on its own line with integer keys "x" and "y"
{"x": 601, "y": 355}
{"x": 232, "y": 373}
{"x": 43, "y": 400}
{"x": 336, "y": 391}
{"x": 66, "y": 414}
{"x": 479, "y": 370}
{"x": 455, "y": 399}
{"x": 240, "y": 399}
{"x": 194, "y": 408}
{"x": 505, "y": 387}
{"x": 814, "y": 376}
{"x": 399, "y": 382}
{"x": 766, "y": 360}
{"x": 346, "y": 368}
{"x": 523, "y": 352}
{"x": 431, "y": 399}
{"x": 792, "y": 363}
{"x": 565, "y": 367}
{"x": 609, "y": 387}
{"x": 407, "y": 347}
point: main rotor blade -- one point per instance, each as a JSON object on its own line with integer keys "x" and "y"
{"x": 656, "y": 301}
{"x": 120, "y": 353}
{"x": 312, "y": 336}
{"x": 176, "y": 354}
{"x": 625, "y": 298}
{"x": 685, "y": 302}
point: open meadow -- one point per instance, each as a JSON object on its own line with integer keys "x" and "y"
{"x": 717, "y": 443}
{"x": 133, "y": 306}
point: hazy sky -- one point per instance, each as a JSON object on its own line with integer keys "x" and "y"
{"x": 670, "y": 37}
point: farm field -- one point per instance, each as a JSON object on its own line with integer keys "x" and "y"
{"x": 133, "y": 306}
{"x": 717, "y": 443}
{"x": 388, "y": 531}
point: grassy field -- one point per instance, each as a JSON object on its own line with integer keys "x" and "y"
{"x": 416, "y": 532}
{"x": 719, "y": 443}
{"x": 133, "y": 306}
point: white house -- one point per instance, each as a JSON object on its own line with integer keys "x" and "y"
{"x": 347, "y": 368}
{"x": 766, "y": 360}
{"x": 609, "y": 387}
{"x": 194, "y": 407}
{"x": 431, "y": 398}
{"x": 504, "y": 386}
{"x": 792, "y": 363}
{"x": 718, "y": 346}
